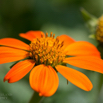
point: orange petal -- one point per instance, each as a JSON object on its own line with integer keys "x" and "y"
{"x": 86, "y": 62}
{"x": 14, "y": 43}
{"x": 11, "y": 50}
{"x": 82, "y": 48}
{"x": 66, "y": 39}
{"x": 44, "y": 80}
{"x": 30, "y": 35}
{"x": 75, "y": 77}
{"x": 11, "y": 57}
{"x": 19, "y": 70}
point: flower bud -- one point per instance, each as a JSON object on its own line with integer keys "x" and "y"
{"x": 99, "y": 31}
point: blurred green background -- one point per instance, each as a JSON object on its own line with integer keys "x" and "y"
{"x": 60, "y": 17}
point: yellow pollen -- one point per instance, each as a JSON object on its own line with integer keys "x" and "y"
{"x": 51, "y": 34}
{"x": 47, "y": 50}
{"x": 41, "y": 35}
{"x": 46, "y": 34}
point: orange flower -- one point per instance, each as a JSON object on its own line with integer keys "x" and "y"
{"x": 45, "y": 56}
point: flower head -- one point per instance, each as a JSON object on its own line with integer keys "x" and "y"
{"x": 99, "y": 30}
{"x": 47, "y": 55}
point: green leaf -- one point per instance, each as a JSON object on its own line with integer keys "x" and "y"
{"x": 91, "y": 21}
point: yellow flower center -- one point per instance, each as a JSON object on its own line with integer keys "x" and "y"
{"x": 99, "y": 31}
{"x": 47, "y": 50}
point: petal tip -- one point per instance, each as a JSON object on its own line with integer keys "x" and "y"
{"x": 4, "y": 79}
{"x": 40, "y": 94}
{"x": 89, "y": 89}
{"x": 10, "y": 81}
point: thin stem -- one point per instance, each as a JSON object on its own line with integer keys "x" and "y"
{"x": 100, "y": 83}
{"x": 36, "y": 98}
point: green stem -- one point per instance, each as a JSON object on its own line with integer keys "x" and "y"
{"x": 100, "y": 82}
{"x": 36, "y": 98}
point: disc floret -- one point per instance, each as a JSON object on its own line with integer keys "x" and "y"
{"x": 47, "y": 50}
